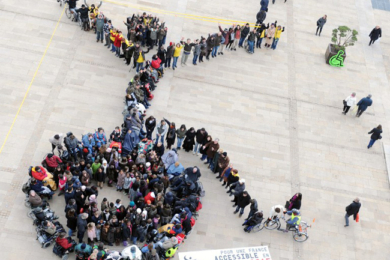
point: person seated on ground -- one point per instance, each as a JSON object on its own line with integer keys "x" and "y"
{"x": 49, "y": 227}
{"x": 83, "y": 250}
{"x": 170, "y": 158}
{"x": 35, "y": 200}
{"x": 65, "y": 242}
{"x": 294, "y": 220}
{"x": 256, "y": 219}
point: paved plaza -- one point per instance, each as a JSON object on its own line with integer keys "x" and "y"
{"x": 276, "y": 113}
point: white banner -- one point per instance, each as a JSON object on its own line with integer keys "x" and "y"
{"x": 245, "y": 253}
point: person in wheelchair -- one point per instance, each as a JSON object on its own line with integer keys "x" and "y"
{"x": 42, "y": 216}
{"x": 187, "y": 189}
{"x": 36, "y": 200}
{"x": 38, "y": 187}
{"x": 191, "y": 173}
{"x": 66, "y": 243}
{"x": 83, "y": 251}
{"x": 156, "y": 64}
{"x": 294, "y": 221}
{"x": 256, "y": 219}
{"x": 49, "y": 227}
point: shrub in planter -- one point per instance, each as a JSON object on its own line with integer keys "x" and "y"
{"x": 342, "y": 37}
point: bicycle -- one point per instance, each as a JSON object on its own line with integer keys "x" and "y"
{"x": 299, "y": 231}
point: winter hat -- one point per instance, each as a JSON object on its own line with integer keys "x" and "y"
{"x": 83, "y": 188}
{"x": 224, "y": 154}
{"x": 131, "y": 203}
{"x": 242, "y": 181}
{"x": 83, "y": 246}
{"x": 148, "y": 164}
{"x": 153, "y": 195}
{"x": 108, "y": 150}
{"x": 139, "y": 211}
{"x": 148, "y": 202}
{"x": 84, "y": 215}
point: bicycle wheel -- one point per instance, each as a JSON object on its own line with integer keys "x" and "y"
{"x": 300, "y": 237}
{"x": 257, "y": 228}
{"x": 272, "y": 224}
{"x": 67, "y": 13}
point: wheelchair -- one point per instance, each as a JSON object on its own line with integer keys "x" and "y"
{"x": 61, "y": 252}
{"x": 46, "y": 239}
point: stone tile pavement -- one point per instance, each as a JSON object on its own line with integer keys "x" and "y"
{"x": 277, "y": 114}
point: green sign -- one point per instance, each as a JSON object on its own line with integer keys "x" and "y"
{"x": 337, "y": 60}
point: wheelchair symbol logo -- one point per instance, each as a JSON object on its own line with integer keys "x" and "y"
{"x": 185, "y": 258}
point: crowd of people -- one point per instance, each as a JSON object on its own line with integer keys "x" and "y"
{"x": 164, "y": 197}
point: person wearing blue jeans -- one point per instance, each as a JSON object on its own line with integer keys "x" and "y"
{"x": 161, "y": 130}
{"x": 251, "y": 46}
{"x": 214, "y": 51}
{"x": 352, "y": 210}
{"x": 174, "y": 64}
{"x": 241, "y": 202}
{"x": 375, "y": 135}
{"x": 244, "y": 32}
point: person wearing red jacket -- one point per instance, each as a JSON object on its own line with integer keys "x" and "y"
{"x": 118, "y": 43}
{"x": 52, "y": 161}
{"x": 156, "y": 64}
{"x": 64, "y": 242}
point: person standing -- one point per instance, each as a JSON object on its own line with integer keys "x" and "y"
{"x": 187, "y": 50}
{"x": 278, "y": 33}
{"x": 181, "y": 133}
{"x": 352, "y": 209}
{"x": 363, "y": 104}
{"x": 264, "y": 5}
{"x": 348, "y": 102}
{"x": 99, "y": 28}
{"x": 197, "y": 47}
{"x": 243, "y": 200}
{"x": 201, "y": 136}
{"x": 56, "y": 142}
{"x": 270, "y": 34}
{"x": 375, "y": 34}
{"x": 375, "y": 135}
{"x": 244, "y": 32}
{"x": 320, "y": 23}
{"x": 162, "y": 129}
{"x": 150, "y": 124}
{"x": 176, "y": 54}
{"x": 251, "y": 41}
{"x": 170, "y": 50}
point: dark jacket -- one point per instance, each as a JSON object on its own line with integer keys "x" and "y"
{"x": 264, "y": 5}
{"x": 243, "y": 201}
{"x": 321, "y": 22}
{"x": 376, "y": 133}
{"x": 238, "y": 188}
{"x": 71, "y": 222}
{"x": 201, "y": 138}
{"x": 254, "y": 206}
{"x": 245, "y": 31}
{"x": 353, "y": 209}
{"x": 212, "y": 148}
{"x": 187, "y": 47}
{"x": 162, "y": 55}
{"x": 375, "y": 33}
{"x": 150, "y": 125}
{"x": 189, "y": 174}
{"x": 83, "y": 13}
{"x": 364, "y": 103}
{"x": 169, "y": 52}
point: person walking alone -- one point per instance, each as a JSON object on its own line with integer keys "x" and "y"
{"x": 352, "y": 209}
{"x": 320, "y": 23}
{"x": 348, "y": 102}
{"x": 375, "y": 135}
{"x": 375, "y": 34}
{"x": 363, "y": 104}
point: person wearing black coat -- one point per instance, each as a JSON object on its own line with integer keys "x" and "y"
{"x": 201, "y": 137}
{"x": 253, "y": 209}
{"x": 320, "y": 23}
{"x": 162, "y": 54}
{"x": 71, "y": 221}
{"x": 375, "y": 135}
{"x": 256, "y": 219}
{"x": 186, "y": 223}
{"x": 244, "y": 32}
{"x": 375, "y": 34}
{"x": 126, "y": 231}
{"x": 189, "y": 140}
{"x": 352, "y": 209}
{"x": 150, "y": 124}
{"x": 243, "y": 200}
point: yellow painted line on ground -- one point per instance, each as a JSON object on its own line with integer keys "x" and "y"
{"x": 182, "y": 15}
{"x": 31, "y": 82}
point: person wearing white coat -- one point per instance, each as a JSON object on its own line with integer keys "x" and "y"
{"x": 349, "y": 102}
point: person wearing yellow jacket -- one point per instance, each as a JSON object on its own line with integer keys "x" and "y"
{"x": 113, "y": 34}
{"x": 176, "y": 54}
{"x": 278, "y": 33}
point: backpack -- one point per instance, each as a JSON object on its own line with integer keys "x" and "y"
{"x": 192, "y": 221}
{"x": 200, "y": 206}
{"x": 171, "y": 252}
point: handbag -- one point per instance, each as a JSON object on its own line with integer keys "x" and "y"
{"x": 287, "y": 204}
{"x": 357, "y": 217}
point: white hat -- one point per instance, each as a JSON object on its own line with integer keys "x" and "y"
{"x": 153, "y": 196}
{"x": 148, "y": 164}
{"x": 83, "y": 188}
{"x": 242, "y": 180}
{"x": 139, "y": 211}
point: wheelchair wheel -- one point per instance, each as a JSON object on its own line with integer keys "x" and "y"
{"x": 30, "y": 214}
{"x": 257, "y": 228}
{"x": 27, "y": 204}
{"x": 46, "y": 245}
{"x": 68, "y": 13}
{"x": 271, "y": 224}
{"x": 65, "y": 257}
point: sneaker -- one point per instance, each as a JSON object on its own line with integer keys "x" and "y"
{"x": 235, "y": 212}
{"x": 193, "y": 153}
{"x": 221, "y": 53}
